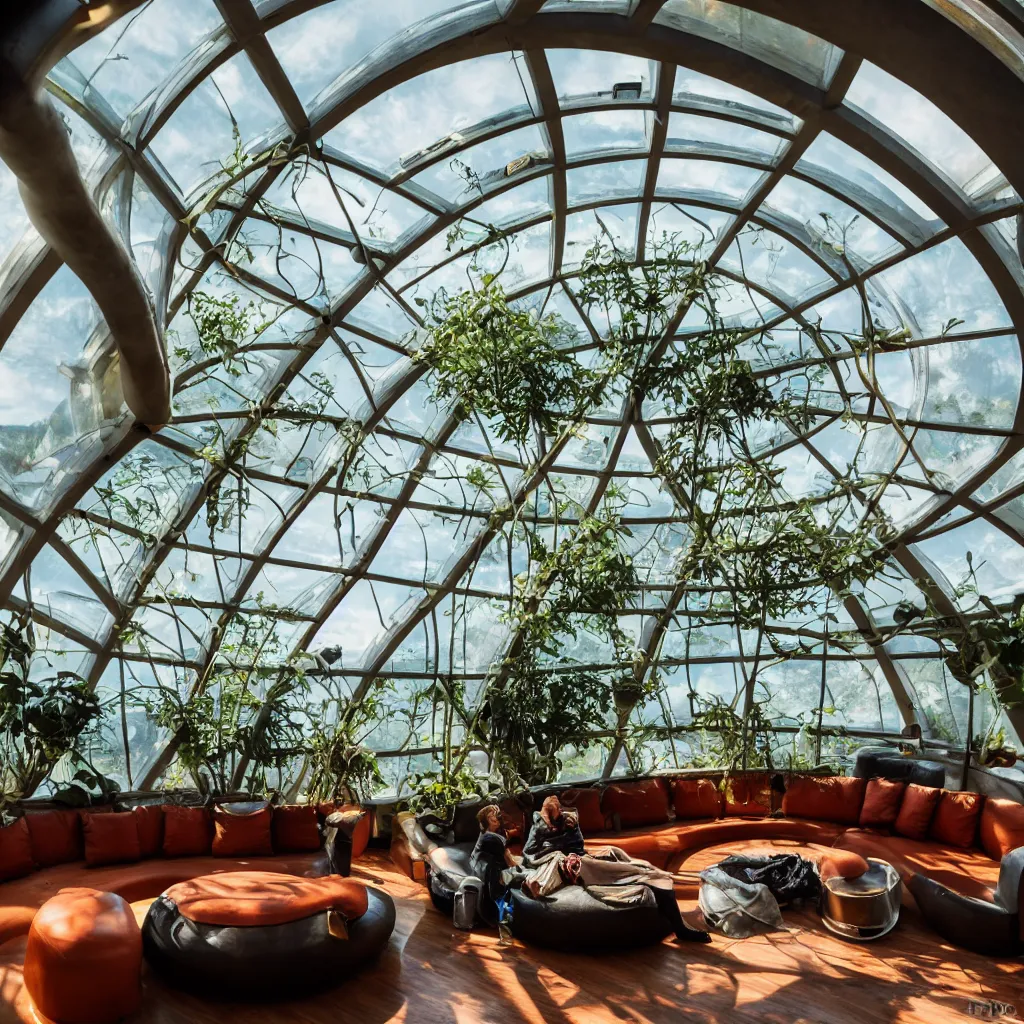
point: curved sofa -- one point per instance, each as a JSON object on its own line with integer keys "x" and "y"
{"x": 954, "y": 851}
{"x": 46, "y": 851}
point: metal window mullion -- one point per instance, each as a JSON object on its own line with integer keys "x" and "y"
{"x": 547, "y": 96}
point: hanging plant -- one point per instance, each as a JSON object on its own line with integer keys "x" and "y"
{"x": 506, "y": 363}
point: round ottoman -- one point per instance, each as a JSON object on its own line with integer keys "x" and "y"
{"x": 570, "y": 918}
{"x": 84, "y": 958}
{"x": 252, "y": 934}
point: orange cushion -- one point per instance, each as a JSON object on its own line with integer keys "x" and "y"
{"x": 696, "y": 798}
{"x": 1002, "y": 827}
{"x": 265, "y": 898}
{"x": 882, "y": 799}
{"x": 186, "y": 831}
{"x": 636, "y": 803}
{"x": 844, "y": 863}
{"x": 956, "y": 818}
{"x": 150, "y": 823}
{"x": 916, "y": 810}
{"x": 749, "y": 795}
{"x": 110, "y": 839}
{"x": 83, "y": 960}
{"x": 15, "y": 851}
{"x": 833, "y": 798}
{"x": 242, "y": 835}
{"x": 512, "y": 815}
{"x": 295, "y": 828}
{"x": 586, "y": 802}
{"x": 56, "y": 837}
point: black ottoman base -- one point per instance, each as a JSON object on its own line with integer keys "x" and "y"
{"x": 259, "y": 962}
{"x": 573, "y": 919}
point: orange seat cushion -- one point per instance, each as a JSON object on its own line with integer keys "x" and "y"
{"x": 630, "y": 804}
{"x": 242, "y": 835}
{"x": 956, "y": 818}
{"x": 696, "y": 798}
{"x": 833, "y": 798}
{"x": 56, "y": 837}
{"x": 970, "y": 873}
{"x": 110, "y": 839}
{"x": 294, "y": 828}
{"x": 586, "y": 802}
{"x": 84, "y": 958}
{"x": 247, "y": 898}
{"x": 150, "y": 822}
{"x": 187, "y": 831}
{"x": 1002, "y": 827}
{"x": 916, "y": 811}
{"x": 15, "y": 851}
{"x": 882, "y": 799}
{"x": 748, "y": 795}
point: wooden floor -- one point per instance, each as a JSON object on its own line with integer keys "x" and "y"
{"x": 432, "y": 974}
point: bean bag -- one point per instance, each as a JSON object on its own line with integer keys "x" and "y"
{"x": 84, "y": 957}
{"x": 254, "y": 935}
{"x": 572, "y": 919}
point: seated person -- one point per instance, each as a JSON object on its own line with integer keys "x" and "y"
{"x": 554, "y": 855}
{"x": 493, "y": 863}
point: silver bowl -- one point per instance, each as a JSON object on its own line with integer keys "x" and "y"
{"x": 863, "y": 908}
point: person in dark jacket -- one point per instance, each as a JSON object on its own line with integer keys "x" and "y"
{"x": 492, "y": 862}
{"x": 554, "y": 830}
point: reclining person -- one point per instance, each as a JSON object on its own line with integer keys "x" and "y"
{"x": 554, "y": 855}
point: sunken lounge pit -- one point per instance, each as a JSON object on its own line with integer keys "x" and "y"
{"x": 511, "y": 511}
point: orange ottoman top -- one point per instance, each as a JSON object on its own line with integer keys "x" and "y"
{"x": 246, "y": 898}
{"x": 83, "y": 958}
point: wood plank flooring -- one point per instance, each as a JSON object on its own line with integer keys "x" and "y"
{"x": 432, "y": 974}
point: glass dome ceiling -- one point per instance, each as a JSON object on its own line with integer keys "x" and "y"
{"x": 327, "y": 166}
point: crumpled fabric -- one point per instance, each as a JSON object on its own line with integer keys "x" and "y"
{"x": 737, "y": 909}
{"x": 623, "y": 895}
{"x": 788, "y": 876}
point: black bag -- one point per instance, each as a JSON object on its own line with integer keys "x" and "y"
{"x": 788, "y": 876}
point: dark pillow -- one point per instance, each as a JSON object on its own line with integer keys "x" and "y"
{"x": 187, "y": 831}
{"x": 464, "y": 823}
{"x": 1002, "y": 827}
{"x": 748, "y": 795}
{"x": 110, "y": 839}
{"x": 242, "y": 835}
{"x": 829, "y": 798}
{"x": 882, "y": 800}
{"x": 633, "y": 804}
{"x": 15, "y": 851}
{"x": 916, "y": 810}
{"x": 295, "y": 829}
{"x": 150, "y": 822}
{"x": 56, "y": 837}
{"x": 956, "y": 818}
{"x": 696, "y": 798}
